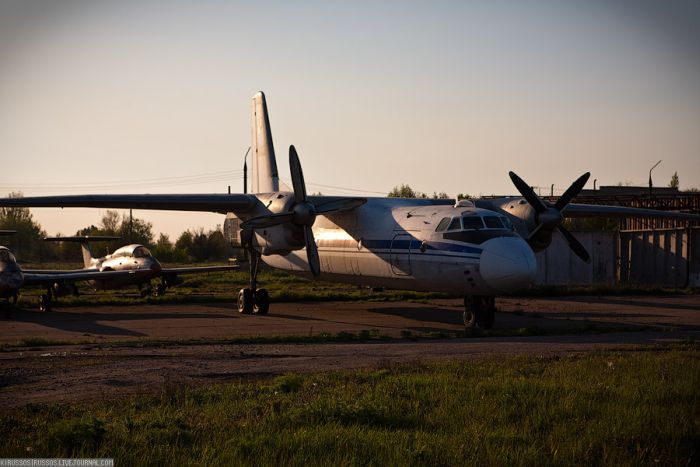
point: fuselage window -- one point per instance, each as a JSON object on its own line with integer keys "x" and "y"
{"x": 493, "y": 222}
{"x": 443, "y": 224}
{"x": 472, "y": 223}
{"x": 454, "y": 225}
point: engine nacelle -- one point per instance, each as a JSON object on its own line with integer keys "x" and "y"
{"x": 524, "y": 219}
{"x": 278, "y": 240}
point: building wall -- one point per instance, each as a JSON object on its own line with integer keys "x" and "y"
{"x": 661, "y": 257}
{"x": 558, "y": 265}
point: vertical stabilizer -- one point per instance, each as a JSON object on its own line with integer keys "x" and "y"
{"x": 264, "y": 178}
{"x": 87, "y": 253}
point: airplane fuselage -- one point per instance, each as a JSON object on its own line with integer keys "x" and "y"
{"x": 422, "y": 245}
{"x": 11, "y": 277}
{"x": 133, "y": 257}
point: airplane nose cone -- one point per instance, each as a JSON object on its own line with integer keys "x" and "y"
{"x": 155, "y": 266}
{"x": 507, "y": 264}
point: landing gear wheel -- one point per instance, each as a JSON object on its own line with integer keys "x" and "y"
{"x": 488, "y": 318}
{"x": 488, "y": 312}
{"x": 45, "y": 303}
{"x": 245, "y": 301}
{"x": 160, "y": 290}
{"x": 479, "y": 312}
{"x": 470, "y": 313}
{"x": 262, "y": 302}
{"x": 145, "y": 292}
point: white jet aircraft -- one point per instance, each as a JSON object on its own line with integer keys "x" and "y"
{"x": 478, "y": 249}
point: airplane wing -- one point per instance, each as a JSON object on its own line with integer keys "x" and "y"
{"x": 219, "y": 203}
{"x": 596, "y": 210}
{"x": 48, "y": 278}
{"x": 197, "y": 269}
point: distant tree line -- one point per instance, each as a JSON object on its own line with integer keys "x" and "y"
{"x": 28, "y": 244}
{"x": 405, "y": 191}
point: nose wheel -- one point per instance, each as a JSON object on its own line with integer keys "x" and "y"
{"x": 45, "y": 301}
{"x": 479, "y": 311}
{"x": 252, "y": 300}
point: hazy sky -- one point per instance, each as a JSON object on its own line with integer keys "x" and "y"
{"x": 154, "y": 96}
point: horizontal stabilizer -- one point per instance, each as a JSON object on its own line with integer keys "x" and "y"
{"x": 8, "y": 232}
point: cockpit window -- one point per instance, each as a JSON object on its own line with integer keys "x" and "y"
{"x": 472, "y": 223}
{"x": 493, "y": 222}
{"x": 507, "y": 223}
{"x": 7, "y": 257}
{"x": 443, "y": 224}
{"x": 141, "y": 252}
{"x": 454, "y": 225}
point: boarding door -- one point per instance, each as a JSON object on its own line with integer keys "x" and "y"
{"x": 400, "y": 254}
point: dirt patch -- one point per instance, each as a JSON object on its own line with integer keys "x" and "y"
{"x": 86, "y": 372}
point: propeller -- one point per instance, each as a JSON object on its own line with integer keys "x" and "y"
{"x": 303, "y": 212}
{"x": 549, "y": 217}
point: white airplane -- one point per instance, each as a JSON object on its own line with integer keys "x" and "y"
{"x": 58, "y": 283}
{"x": 478, "y": 249}
{"x": 134, "y": 257}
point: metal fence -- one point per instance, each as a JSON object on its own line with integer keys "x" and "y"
{"x": 659, "y": 257}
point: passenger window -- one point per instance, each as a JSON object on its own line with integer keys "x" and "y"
{"x": 493, "y": 222}
{"x": 454, "y": 225}
{"x": 443, "y": 224}
{"x": 472, "y": 223}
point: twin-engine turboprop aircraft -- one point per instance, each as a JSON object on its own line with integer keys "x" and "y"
{"x": 133, "y": 258}
{"x": 478, "y": 249}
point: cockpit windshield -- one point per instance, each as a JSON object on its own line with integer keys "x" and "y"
{"x": 7, "y": 257}
{"x": 141, "y": 252}
{"x": 472, "y": 223}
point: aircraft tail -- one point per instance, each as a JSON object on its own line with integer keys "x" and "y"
{"x": 264, "y": 177}
{"x": 84, "y": 244}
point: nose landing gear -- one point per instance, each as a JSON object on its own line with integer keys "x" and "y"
{"x": 479, "y": 311}
{"x": 252, "y": 300}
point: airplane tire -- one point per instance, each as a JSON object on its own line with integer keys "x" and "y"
{"x": 487, "y": 318}
{"x": 44, "y": 303}
{"x": 245, "y": 301}
{"x": 262, "y": 302}
{"x": 160, "y": 290}
{"x": 471, "y": 312}
{"x": 469, "y": 318}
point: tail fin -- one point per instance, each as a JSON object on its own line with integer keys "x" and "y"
{"x": 264, "y": 178}
{"x": 84, "y": 244}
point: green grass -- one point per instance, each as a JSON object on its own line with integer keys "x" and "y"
{"x": 615, "y": 408}
{"x": 224, "y": 287}
{"x": 285, "y": 287}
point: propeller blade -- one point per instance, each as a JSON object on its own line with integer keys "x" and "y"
{"x": 527, "y": 193}
{"x": 269, "y": 220}
{"x": 340, "y": 205}
{"x": 312, "y": 251}
{"x": 297, "y": 176}
{"x": 572, "y": 192}
{"x": 575, "y": 245}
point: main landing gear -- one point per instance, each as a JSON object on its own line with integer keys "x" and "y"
{"x": 251, "y": 299}
{"x": 45, "y": 301}
{"x": 479, "y": 311}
